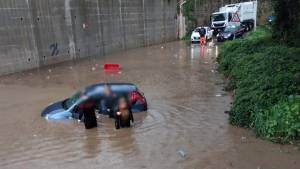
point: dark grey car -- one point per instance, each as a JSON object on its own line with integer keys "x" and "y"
{"x": 231, "y": 33}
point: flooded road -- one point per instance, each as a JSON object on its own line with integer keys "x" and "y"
{"x": 184, "y": 128}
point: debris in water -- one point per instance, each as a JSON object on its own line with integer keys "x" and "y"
{"x": 49, "y": 70}
{"x": 213, "y": 71}
{"x": 93, "y": 68}
{"x": 182, "y": 153}
{"x": 243, "y": 139}
{"x": 227, "y": 112}
{"x": 162, "y": 47}
{"x": 218, "y": 95}
{"x": 71, "y": 67}
{"x": 111, "y": 67}
{"x": 34, "y": 135}
{"x": 47, "y": 77}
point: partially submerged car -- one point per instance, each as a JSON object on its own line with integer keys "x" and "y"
{"x": 195, "y": 37}
{"x": 70, "y": 107}
{"x": 230, "y": 33}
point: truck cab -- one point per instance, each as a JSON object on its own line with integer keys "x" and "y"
{"x": 244, "y": 13}
{"x": 220, "y": 20}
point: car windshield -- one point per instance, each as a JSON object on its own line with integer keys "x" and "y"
{"x": 218, "y": 17}
{"x": 72, "y": 100}
{"x": 200, "y": 30}
{"x": 230, "y": 29}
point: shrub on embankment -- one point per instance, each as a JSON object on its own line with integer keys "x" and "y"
{"x": 265, "y": 78}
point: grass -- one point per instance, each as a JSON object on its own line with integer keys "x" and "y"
{"x": 264, "y": 76}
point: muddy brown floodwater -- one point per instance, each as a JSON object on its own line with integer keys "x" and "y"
{"x": 185, "y": 127}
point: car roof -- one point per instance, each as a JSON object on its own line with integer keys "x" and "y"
{"x": 202, "y": 27}
{"x": 116, "y": 87}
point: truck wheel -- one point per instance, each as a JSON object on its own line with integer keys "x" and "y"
{"x": 247, "y": 28}
{"x": 251, "y": 26}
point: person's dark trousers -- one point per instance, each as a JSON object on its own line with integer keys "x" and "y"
{"x": 90, "y": 120}
{"x": 119, "y": 123}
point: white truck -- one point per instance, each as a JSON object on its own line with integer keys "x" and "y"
{"x": 244, "y": 13}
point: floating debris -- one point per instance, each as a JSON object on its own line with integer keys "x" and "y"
{"x": 218, "y": 95}
{"x": 182, "y": 153}
{"x": 49, "y": 70}
{"x": 227, "y": 112}
{"x": 244, "y": 139}
{"x": 93, "y": 68}
{"x": 47, "y": 77}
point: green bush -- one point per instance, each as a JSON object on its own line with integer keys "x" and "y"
{"x": 262, "y": 73}
{"x": 287, "y": 22}
{"x": 281, "y": 123}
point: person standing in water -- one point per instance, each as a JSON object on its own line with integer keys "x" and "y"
{"x": 123, "y": 113}
{"x": 87, "y": 114}
{"x": 108, "y": 101}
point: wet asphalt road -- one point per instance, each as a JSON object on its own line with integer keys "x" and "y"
{"x": 184, "y": 128}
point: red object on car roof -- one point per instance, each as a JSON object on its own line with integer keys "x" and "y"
{"x": 111, "y": 66}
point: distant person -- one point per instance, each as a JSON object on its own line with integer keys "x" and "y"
{"x": 124, "y": 114}
{"x": 108, "y": 101}
{"x": 202, "y": 33}
{"x": 87, "y": 114}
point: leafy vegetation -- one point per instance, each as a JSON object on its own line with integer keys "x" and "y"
{"x": 263, "y": 74}
{"x": 188, "y": 10}
{"x": 280, "y": 123}
{"x": 287, "y": 22}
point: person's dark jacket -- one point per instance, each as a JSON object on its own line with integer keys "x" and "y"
{"x": 202, "y": 32}
{"x": 87, "y": 113}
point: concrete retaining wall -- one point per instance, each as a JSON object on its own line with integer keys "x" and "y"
{"x": 34, "y": 33}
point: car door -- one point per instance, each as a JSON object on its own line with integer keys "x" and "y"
{"x": 241, "y": 31}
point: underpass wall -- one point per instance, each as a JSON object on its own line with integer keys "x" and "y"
{"x": 35, "y": 33}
